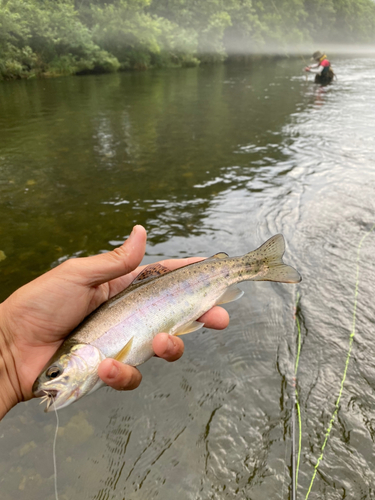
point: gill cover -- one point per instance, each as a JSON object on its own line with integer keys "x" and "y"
{"x": 70, "y": 374}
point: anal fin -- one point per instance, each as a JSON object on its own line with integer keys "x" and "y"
{"x": 232, "y": 293}
{"x": 192, "y": 326}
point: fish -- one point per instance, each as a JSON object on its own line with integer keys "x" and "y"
{"x": 158, "y": 300}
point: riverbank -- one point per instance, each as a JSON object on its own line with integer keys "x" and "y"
{"x": 44, "y": 39}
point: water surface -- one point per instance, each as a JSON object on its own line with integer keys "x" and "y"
{"x": 207, "y": 159}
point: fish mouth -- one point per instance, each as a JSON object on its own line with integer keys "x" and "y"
{"x": 56, "y": 400}
{"x": 50, "y": 396}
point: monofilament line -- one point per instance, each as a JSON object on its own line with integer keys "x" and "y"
{"x": 286, "y": 470}
{"x": 294, "y": 483}
{"x": 54, "y": 453}
{"x": 351, "y": 339}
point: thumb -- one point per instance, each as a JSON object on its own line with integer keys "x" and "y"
{"x": 124, "y": 259}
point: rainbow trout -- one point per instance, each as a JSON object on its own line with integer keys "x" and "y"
{"x": 158, "y": 300}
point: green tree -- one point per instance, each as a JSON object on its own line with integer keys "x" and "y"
{"x": 137, "y": 38}
{"x": 355, "y": 21}
{"x": 209, "y": 19}
{"x": 45, "y": 36}
{"x": 80, "y": 36}
{"x": 282, "y": 21}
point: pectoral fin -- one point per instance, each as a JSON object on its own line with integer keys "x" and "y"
{"x": 121, "y": 356}
{"x": 231, "y": 294}
{"x": 192, "y": 326}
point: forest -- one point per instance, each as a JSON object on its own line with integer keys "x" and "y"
{"x": 60, "y": 37}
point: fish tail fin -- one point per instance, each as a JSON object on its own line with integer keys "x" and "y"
{"x": 269, "y": 259}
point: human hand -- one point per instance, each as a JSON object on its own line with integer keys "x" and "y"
{"x": 36, "y": 318}
{"x": 307, "y": 68}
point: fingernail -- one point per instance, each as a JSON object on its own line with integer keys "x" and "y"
{"x": 113, "y": 372}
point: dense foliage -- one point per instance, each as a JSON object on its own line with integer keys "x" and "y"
{"x": 80, "y": 36}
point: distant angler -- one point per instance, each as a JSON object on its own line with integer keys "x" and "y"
{"x": 322, "y": 68}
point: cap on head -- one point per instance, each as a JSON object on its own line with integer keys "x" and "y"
{"x": 317, "y": 55}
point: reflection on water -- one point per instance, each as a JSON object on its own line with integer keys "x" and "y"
{"x": 208, "y": 159}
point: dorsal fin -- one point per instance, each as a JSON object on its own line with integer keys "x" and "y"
{"x": 151, "y": 271}
{"x": 220, "y": 255}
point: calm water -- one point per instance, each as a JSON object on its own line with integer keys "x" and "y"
{"x": 209, "y": 159}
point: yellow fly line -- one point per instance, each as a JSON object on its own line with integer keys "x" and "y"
{"x": 334, "y": 414}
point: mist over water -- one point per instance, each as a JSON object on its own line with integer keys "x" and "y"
{"x": 105, "y": 36}
{"x": 236, "y": 48}
{"x": 208, "y": 159}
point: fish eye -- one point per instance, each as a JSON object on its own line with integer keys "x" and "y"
{"x": 53, "y": 372}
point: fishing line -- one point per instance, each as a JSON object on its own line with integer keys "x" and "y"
{"x": 293, "y": 444}
{"x": 285, "y": 471}
{"x": 294, "y": 447}
{"x": 296, "y": 456}
{"x": 351, "y": 339}
{"x": 54, "y": 451}
{"x": 296, "y": 396}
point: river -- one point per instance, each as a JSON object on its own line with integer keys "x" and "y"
{"x": 209, "y": 159}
